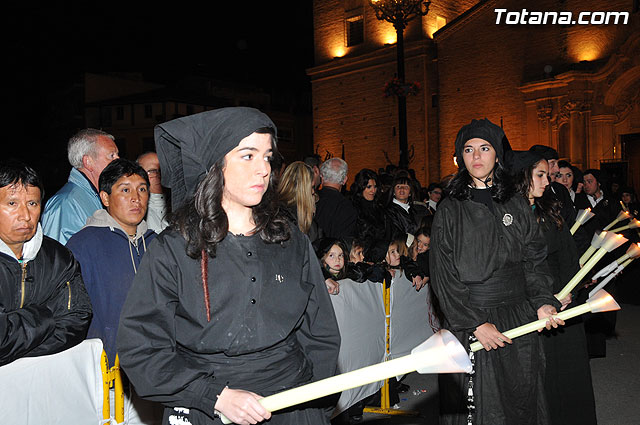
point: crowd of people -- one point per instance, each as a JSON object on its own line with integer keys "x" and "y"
{"x": 222, "y": 295}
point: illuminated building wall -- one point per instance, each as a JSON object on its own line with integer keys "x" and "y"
{"x": 532, "y": 78}
{"x": 349, "y": 107}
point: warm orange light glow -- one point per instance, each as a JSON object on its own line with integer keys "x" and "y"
{"x": 339, "y": 52}
{"x": 588, "y": 43}
{"x": 390, "y": 37}
{"x": 588, "y": 54}
{"x": 455, "y": 160}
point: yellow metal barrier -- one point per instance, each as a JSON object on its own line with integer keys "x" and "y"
{"x": 119, "y": 392}
{"x": 112, "y": 378}
{"x": 106, "y": 383}
{"x": 385, "y": 399}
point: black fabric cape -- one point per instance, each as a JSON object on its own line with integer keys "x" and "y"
{"x": 400, "y": 222}
{"x": 568, "y": 374}
{"x": 370, "y": 224}
{"x": 272, "y": 325}
{"x": 490, "y": 267}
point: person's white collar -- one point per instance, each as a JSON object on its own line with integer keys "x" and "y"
{"x": 593, "y": 200}
{"x": 403, "y": 205}
{"x": 29, "y": 249}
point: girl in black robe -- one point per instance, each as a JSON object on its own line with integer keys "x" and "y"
{"x": 568, "y": 374}
{"x": 229, "y": 303}
{"x": 488, "y": 270}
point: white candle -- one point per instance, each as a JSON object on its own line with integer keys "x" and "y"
{"x": 623, "y": 215}
{"x": 601, "y": 301}
{"x": 442, "y": 353}
{"x": 610, "y": 242}
{"x": 583, "y": 217}
{"x": 596, "y": 241}
{"x": 632, "y": 225}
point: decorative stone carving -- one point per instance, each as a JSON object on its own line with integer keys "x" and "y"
{"x": 625, "y": 103}
{"x": 544, "y": 114}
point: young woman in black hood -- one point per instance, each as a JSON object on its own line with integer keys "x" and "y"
{"x": 488, "y": 270}
{"x": 229, "y": 304}
{"x": 568, "y": 374}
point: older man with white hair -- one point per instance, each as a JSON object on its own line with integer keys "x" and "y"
{"x": 335, "y": 214}
{"x": 89, "y": 151}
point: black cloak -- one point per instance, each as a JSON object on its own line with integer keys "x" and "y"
{"x": 272, "y": 325}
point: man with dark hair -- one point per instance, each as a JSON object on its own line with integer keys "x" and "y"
{"x": 604, "y": 208}
{"x": 109, "y": 249}
{"x": 44, "y": 307}
{"x": 314, "y": 162}
{"x": 89, "y": 151}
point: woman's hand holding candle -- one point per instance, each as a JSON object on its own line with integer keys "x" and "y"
{"x": 549, "y": 312}
{"x": 241, "y": 407}
{"x": 489, "y": 336}
{"x": 565, "y": 301}
{"x": 599, "y": 302}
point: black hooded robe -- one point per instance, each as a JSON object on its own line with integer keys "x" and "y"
{"x": 490, "y": 267}
{"x": 272, "y": 326}
{"x": 568, "y": 374}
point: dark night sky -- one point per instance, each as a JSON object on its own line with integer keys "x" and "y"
{"x": 265, "y": 44}
{"x": 250, "y": 41}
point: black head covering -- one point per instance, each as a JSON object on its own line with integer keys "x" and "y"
{"x": 627, "y": 189}
{"x": 546, "y": 152}
{"x": 520, "y": 160}
{"x": 187, "y": 147}
{"x": 482, "y": 129}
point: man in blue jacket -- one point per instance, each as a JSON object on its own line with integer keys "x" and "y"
{"x": 109, "y": 249}
{"x": 89, "y": 151}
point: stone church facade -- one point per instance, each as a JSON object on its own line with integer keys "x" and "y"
{"x": 574, "y": 87}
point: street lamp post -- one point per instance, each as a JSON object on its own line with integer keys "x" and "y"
{"x": 399, "y": 13}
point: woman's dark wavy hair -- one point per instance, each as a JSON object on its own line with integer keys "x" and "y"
{"x": 502, "y": 190}
{"x": 547, "y": 207}
{"x": 577, "y": 174}
{"x": 203, "y": 222}
{"x": 361, "y": 181}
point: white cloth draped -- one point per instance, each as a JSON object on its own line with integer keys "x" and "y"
{"x": 59, "y": 389}
{"x": 359, "y": 309}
